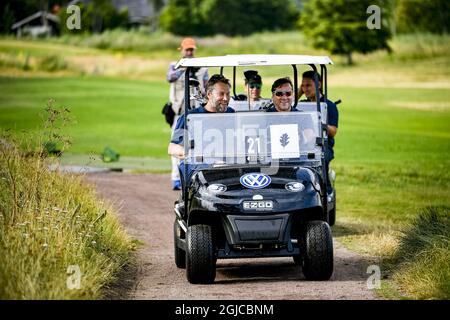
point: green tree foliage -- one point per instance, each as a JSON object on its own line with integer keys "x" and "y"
{"x": 96, "y": 16}
{"x": 418, "y": 15}
{"x": 340, "y": 26}
{"x": 246, "y": 17}
{"x": 229, "y": 17}
{"x": 183, "y": 17}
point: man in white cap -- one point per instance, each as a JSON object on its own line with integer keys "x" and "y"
{"x": 176, "y": 80}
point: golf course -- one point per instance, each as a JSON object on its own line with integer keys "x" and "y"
{"x": 392, "y": 152}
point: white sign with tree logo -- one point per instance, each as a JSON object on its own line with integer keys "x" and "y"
{"x": 284, "y": 141}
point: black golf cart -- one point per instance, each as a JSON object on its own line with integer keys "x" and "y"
{"x": 254, "y": 182}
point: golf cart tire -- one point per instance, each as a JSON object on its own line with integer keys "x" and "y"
{"x": 180, "y": 254}
{"x": 318, "y": 251}
{"x": 200, "y": 257}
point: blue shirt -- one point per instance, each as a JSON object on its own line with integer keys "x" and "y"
{"x": 333, "y": 117}
{"x": 177, "y": 136}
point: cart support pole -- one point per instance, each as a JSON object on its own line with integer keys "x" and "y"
{"x": 187, "y": 102}
{"x": 323, "y": 160}
{"x": 295, "y": 86}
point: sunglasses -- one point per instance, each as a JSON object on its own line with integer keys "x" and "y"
{"x": 283, "y": 93}
{"x": 255, "y": 86}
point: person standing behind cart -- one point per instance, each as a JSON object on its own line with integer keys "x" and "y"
{"x": 176, "y": 96}
{"x": 308, "y": 88}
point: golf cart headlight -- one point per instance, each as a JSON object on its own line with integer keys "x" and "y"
{"x": 294, "y": 186}
{"x": 217, "y": 188}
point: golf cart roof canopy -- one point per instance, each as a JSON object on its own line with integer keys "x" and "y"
{"x": 247, "y": 60}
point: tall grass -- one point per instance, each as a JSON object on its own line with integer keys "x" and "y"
{"x": 29, "y": 62}
{"x": 422, "y": 260}
{"x": 52, "y": 225}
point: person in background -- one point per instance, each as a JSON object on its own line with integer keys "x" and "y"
{"x": 176, "y": 95}
{"x": 253, "y": 87}
{"x": 308, "y": 88}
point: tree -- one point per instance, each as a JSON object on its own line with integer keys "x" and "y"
{"x": 229, "y": 17}
{"x": 340, "y": 26}
{"x": 418, "y": 15}
{"x": 182, "y": 17}
{"x": 96, "y": 16}
{"x": 232, "y": 17}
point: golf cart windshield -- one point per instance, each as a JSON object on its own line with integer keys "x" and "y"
{"x": 252, "y": 138}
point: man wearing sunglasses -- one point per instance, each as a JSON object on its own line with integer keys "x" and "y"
{"x": 282, "y": 100}
{"x": 282, "y": 96}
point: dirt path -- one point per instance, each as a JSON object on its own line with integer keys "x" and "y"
{"x": 144, "y": 203}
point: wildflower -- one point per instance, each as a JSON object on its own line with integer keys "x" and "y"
{"x": 94, "y": 242}
{"x": 45, "y": 245}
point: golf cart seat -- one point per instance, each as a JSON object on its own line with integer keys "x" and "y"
{"x": 312, "y": 106}
{"x": 244, "y": 105}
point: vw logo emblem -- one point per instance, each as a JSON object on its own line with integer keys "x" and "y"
{"x": 255, "y": 180}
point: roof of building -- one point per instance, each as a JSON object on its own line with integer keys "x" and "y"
{"x": 34, "y": 16}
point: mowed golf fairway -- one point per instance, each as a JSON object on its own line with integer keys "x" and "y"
{"x": 392, "y": 148}
{"x": 122, "y": 114}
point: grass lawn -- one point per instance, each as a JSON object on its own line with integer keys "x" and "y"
{"x": 122, "y": 114}
{"x": 392, "y": 159}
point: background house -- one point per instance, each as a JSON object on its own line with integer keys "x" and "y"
{"x": 41, "y": 23}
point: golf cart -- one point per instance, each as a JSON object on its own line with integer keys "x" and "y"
{"x": 254, "y": 182}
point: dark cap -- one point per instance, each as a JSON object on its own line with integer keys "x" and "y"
{"x": 252, "y": 76}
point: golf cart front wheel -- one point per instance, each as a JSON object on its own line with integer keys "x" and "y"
{"x": 318, "y": 251}
{"x": 200, "y": 255}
